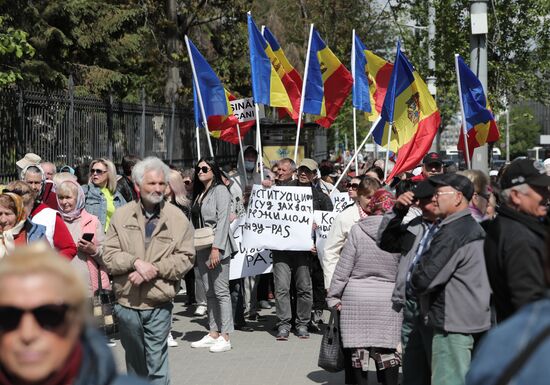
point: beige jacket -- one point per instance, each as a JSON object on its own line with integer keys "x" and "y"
{"x": 171, "y": 251}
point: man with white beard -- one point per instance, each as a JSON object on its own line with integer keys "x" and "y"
{"x": 148, "y": 249}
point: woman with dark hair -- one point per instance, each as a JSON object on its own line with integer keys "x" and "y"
{"x": 211, "y": 208}
{"x": 376, "y": 173}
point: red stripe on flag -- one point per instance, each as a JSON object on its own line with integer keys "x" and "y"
{"x": 382, "y": 80}
{"x": 337, "y": 88}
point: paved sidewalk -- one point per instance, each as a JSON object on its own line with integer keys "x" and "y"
{"x": 256, "y": 358}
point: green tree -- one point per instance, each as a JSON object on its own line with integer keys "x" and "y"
{"x": 524, "y": 131}
{"x": 14, "y": 48}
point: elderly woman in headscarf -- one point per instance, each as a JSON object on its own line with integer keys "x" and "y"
{"x": 87, "y": 233}
{"x": 15, "y": 228}
{"x": 361, "y": 290}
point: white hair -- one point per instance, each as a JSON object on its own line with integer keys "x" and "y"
{"x": 151, "y": 163}
{"x": 505, "y": 194}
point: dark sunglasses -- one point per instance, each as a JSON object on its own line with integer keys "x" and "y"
{"x": 49, "y": 317}
{"x": 204, "y": 169}
{"x": 97, "y": 171}
{"x": 187, "y": 182}
{"x": 353, "y": 186}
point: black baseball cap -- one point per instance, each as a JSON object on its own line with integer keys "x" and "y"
{"x": 522, "y": 171}
{"x": 424, "y": 190}
{"x": 458, "y": 182}
{"x": 432, "y": 157}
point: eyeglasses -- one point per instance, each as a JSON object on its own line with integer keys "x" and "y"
{"x": 49, "y": 317}
{"x": 97, "y": 171}
{"x": 353, "y": 186}
{"x": 204, "y": 169}
{"x": 439, "y": 193}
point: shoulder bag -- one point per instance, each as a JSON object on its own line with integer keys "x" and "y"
{"x": 103, "y": 302}
{"x": 331, "y": 354}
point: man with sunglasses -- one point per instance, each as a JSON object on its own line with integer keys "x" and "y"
{"x": 43, "y": 334}
{"x": 515, "y": 245}
{"x": 432, "y": 164}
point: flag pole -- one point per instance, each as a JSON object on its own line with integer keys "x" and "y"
{"x": 388, "y": 151}
{"x": 259, "y": 141}
{"x": 241, "y": 150}
{"x": 354, "y": 156}
{"x": 354, "y": 109}
{"x": 464, "y": 127}
{"x": 197, "y": 133}
{"x": 392, "y": 100}
{"x": 303, "y": 94}
{"x": 203, "y": 113}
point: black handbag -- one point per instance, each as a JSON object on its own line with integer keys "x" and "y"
{"x": 331, "y": 354}
{"x": 103, "y": 302}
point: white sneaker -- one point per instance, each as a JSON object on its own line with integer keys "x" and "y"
{"x": 200, "y": 310}
{"x": 221, "y": 345}
{"x": 171, "y": 341}
{"x": 111, "y": 343}
{"x": 205, "y": 342}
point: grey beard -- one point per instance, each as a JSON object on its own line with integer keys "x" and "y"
{"x": 152, "y": 198}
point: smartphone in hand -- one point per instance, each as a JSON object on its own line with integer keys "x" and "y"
{"x": 88, "y": 236}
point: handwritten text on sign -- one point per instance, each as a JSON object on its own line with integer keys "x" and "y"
{"x": 279, "y": 218}
{"x": 323, "y": 221}
{"x": 247, "y": 262}
{"x": 340, "y": 200}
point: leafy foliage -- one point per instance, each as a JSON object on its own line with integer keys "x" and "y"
{"x": 524, "y": 131}
{"x": 14, "y": 48}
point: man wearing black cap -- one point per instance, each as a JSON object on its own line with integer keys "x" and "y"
{"x": 451, "y": 281}
{"x": 432, "y": 164}
{"x": 515, "y": 245}
{"x": 408, "y": 229}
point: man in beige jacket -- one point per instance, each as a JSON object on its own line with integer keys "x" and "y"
{"x": 148, "y": 249}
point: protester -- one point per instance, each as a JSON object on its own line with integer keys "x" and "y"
{"x": 286, "y": 171}
{"x": 480, "y": 199}
{"x": 376, "y": 173}
{"x": 293, "y": 267}
{"x": 517, "y": 350}
{"x": 432, "y": 164}
{"x": 125, "y": 184}
{"x": 450, "y": 281}
{"x": 49, "y": 169}
{"x": 148, "y": 249}
{"x": 344, "y": 221}
{"x": 43, "y": 334}
{"x": 515, "y": 243}
{"x": 35, "y": 176}
{"x": 409, "y": 232}
{"x": 15, "y": 228}
{"x": 361, "y": 290}
{"x": 187, "y": 176}
{"x": 102, "y": 198}
{"x": 177, "y": 194}
{"x": 247, "y": 175}
{"x": 212, "y": 208}
{"x": 57, "y": 233}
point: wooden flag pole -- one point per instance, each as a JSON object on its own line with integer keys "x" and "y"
{"x": 464, "y": 127}
{"x": 259, "y": 142}
{"x": 354, "y": 109}
{"x": 203, "y": 113}
{"x": 303, "y": 95}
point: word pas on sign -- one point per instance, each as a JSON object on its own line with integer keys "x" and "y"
{"x": 247, "y": 262}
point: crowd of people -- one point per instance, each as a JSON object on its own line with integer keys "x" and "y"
{"x": 419, "y": 269}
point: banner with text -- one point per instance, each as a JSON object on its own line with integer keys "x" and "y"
{"x": 244, "y": 109}
{"x": 323, "y": 221}
{"x": 340, "y": 200}
{"x": 247, "y": 262}
{"x": 279, "y": 218}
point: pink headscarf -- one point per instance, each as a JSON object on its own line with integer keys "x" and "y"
{"x": 80, "y": 202}
{"x": 381, "y": 202}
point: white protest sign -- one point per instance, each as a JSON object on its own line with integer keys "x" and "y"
{"x": 279, "y": 218}
{"x": 247, "y": 262}
{"x": 340, "y": 200}
{"x": 323, "y": 220}
{"x": 244, "y": 109}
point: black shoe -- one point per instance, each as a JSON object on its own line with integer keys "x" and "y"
{"x": 257, "y": 317}
{"x": 244, "y": 328}
{"x": 282, "y": 334}
{"x": 301, "y": 332}
{"x": 314, "y": 328}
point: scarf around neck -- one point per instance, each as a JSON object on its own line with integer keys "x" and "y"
{"x": 80, "y": 203}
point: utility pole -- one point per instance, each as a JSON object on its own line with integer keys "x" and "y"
{"x": 478, "y": 64}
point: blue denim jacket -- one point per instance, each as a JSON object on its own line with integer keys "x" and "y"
{"x": 96, "y": 203}
{"x": 503, "y": 344}
{"x": 35, "y": 232}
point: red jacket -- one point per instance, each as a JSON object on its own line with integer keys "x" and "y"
{"x": 62, "y": 239}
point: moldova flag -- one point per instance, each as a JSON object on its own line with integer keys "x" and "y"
{"x": 481, "y": 126}
{"x": 267, "y": 86}
{"x": 215, "y": 98}
{"x": 411, "y": 108}
{"x": 328, "y": 82}
{"x": 292, "y": 81}
{"x": 371, "y": 76}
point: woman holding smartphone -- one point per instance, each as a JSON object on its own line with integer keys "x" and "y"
{"x": 211, "y": 208}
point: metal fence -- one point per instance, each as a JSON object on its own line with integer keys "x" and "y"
{"x": 68, "y": 129}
